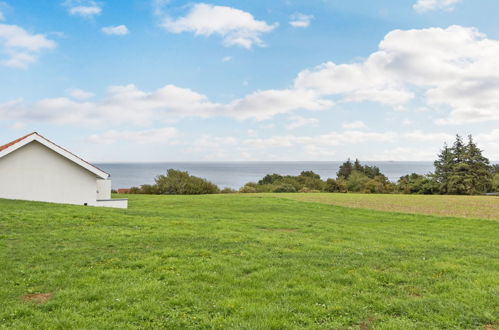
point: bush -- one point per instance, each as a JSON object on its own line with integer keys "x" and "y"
{"x": 270, "y": 179}
{"x": 248, "y": 189}
{"x": 284, "y": 188}
{"x": 177, "y": 183}
{"x": 495, "y": 183}
{"x": 228, "y": 190}
{"x": 379, "y": 185}
{"x": 339, "y": 185}
{"x": 357, "y": 182}
{"x": 417, "y": 184}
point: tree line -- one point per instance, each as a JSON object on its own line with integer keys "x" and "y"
{"x": 460, "y": 169}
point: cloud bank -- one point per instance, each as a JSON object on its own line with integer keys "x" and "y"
{"x": 409, "y": 65}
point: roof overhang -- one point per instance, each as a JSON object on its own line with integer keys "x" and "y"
{"x": 54, "y": 147}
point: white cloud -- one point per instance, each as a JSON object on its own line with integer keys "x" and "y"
{"x": 298, "y": 121}
{"x": 18, "y": 125}
{"x": 128, "y": 104}
{"x": 3, "y": 6}
{"x": 300, "y": 20}
{"x": 227, "y": 59}
{"x": 118, "y": 30}
{"x": 79, "y": 94}
{"x": 420, "y": 136}
{"x": 325, "y": 140}
{"x": 21, "y": 47}
{"x": 489, "y": 142}
{"x": 354, "y": 125}
{"x": 166, "y": 135}
{"x": 83, "y": 8}
{"x": 464, "y": 80}
{"x": 237, "y": 27}
{"x": 422, "y": 6}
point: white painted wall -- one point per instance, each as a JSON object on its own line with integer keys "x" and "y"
{"x": 116, "y": 203}
{"x": 35, "y": 172}
{"x": 103, "y": 189}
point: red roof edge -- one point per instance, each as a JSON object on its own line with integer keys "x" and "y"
{"x": 5, "y": 146}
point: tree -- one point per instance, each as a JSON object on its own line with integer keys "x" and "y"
{"x": 270, "y": 179}
{"x": 417, "y": 184}
{"x": 357, "y": 182}
{"x": 443, "y": 169}
{"x": 345, "y": 170}
{"x": 181, "y": 183}
{"x": 479, "y": 178}
{"x": 462, "y": 169}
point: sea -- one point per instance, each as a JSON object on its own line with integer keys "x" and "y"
{"x": 236, "y": 174}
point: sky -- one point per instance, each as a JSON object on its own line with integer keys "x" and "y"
{"x": 283, "y": 80}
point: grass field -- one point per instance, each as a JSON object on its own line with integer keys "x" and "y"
{"x": 480, "y": 207}
{"x": 244, "y": 262}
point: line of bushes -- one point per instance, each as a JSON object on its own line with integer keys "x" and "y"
{"x": 459, "y": 169}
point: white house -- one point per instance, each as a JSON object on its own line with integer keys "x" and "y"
{"x": 36, "y": 169}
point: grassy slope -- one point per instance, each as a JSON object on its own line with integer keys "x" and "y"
{"x": 481, "y": 207}
{"x": 244, "y": 262}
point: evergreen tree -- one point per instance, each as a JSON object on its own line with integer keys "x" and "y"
{"x": 345, "y": 170}
{"x": 443, "y": 169}
{"x": 480, "y": 174}
{"x": 462, "y": 169}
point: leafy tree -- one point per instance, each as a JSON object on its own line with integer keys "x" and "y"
{"x": 181, "y": 183}
{"x": 416, "y": 184}
{"x": 379, "y": 185}
{"x": 357, "y": 181}
{"x": 270, "y": 179}
{"x": 495, "y": 183}
{"x": 348, "y": 167}
{"x": 283, "y": 188}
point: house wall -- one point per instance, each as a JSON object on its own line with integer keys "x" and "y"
{"x": 103, "y": 189}
{"x": 34, "y": 172}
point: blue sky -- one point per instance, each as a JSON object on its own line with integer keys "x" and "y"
{"x": 159, "y": 80}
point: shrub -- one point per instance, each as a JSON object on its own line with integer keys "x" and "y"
{"x": 248, "y": 189}
{"x": 228, "y": 190}
{"x": 495, "y": 183}
{"x": 270, "y": 179}
{"x": 283, "y": 188}
{"x": 417, "y": 184}
{"x": 357, "y": 182}
{"x": 339, "y": 185}
{"x": 181, "y": 183}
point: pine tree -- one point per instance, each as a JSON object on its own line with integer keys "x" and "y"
{"x": 462, "y": 169}
{"x": 443, "y": 169}
{"x": 480, "y": 172}
{"x": 345, "y": 170}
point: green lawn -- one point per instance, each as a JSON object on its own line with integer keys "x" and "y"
{"x": 248, "y": 262}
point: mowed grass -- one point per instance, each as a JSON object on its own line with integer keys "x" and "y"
{"x": 481, "y": 207}
{"x": 243, "y": 262}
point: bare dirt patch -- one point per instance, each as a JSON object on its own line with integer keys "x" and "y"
{"x": 39, "y": 298}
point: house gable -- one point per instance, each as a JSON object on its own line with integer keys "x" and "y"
{"x": 19, "y": 143}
